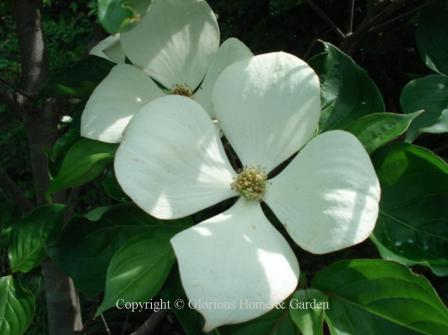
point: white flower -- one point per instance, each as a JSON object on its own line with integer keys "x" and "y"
{"x": 176, "y": 44}
{"x": 172, "y": 164}
{"x": 110, "y": 49}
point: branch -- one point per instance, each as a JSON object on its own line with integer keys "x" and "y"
{"x": 63, "y": 308}
{"x": 325, "y": 17}
{"x": 376, "y": 23}
{"x": 106, "y": 326}
{"x": 10, "y": 187}
{"x": 399, "y": 17}
{"x": 33, "y": 54}
{"x": 151, "y": 324}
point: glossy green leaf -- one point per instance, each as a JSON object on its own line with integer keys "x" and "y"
{"x": 112, "y": 188}
{"x": 276, "y": 6}
{"x": 97, "y": 213}
{"x": 440, "y": 126}
{"x": 17, "y": 307}
{"x": 31, "y": 235}
{"x": 139, "y": 268}
{"x": 86, "y": 247}
{"x": 375, "y": 130}
{"x": 85, "y": 161}
{"x": 347, "y": 92}
{"x": 378, "y": 297}
{"x": 413, "y": 221}
{"x": 306, "y": 309}
{"x": 276, "y": 322}
{"x": 60, "y": 148}
{"x": 431, "y": 95}
{"x": 432, "y": 35}
{"x": 121, "y": 15}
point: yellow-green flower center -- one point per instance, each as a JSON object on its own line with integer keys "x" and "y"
{"x": 250, "y": 183}
{"x": 182, "y": 89}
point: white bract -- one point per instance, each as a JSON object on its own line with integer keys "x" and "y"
{"x": 236, "y": 266}
{"x": 176, "y": 44}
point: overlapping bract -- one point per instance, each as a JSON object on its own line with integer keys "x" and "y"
{"x": 171, "y": 162}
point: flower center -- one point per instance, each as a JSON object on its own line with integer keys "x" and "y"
{"x": 182, "y": 89}
{"x": 250, "y": 183}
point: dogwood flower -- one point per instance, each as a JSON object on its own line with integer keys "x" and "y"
{"x": 236, "y": 266}
{"x": 110, "y": 49}
{"x": 176, "y": 46}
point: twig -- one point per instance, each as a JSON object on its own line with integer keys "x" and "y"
{"x": 351, "y": 16}
{"x": 10, "y": 187}
{"x": 151, "y": 324}
{"x": 309, "y": 49}
{"x": 125, "y": 324}
{"x": 381, "y": 26}
{"x": 106, "y": 326}
{"x": 325, "y": 17}
{"x": 368, "y": 25}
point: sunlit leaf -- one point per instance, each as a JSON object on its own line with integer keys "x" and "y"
{"x": 347, "y": 90}
{"x": 17, "y": 307}
{"x": 31, "y": 235}
{"x": 378, "y": 297}
{"x": 413, "y": 224}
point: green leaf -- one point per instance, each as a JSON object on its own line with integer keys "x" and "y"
{"x": 378, "y": 297}
{"x": 121, "y": 15}
{"x": 16, "y": 307}
{"x": 276, "y": 6}
{"x": 86, "y": 248}
{"x": 276, "y": 322}
{"x": 31, "y": 235}
{"x": 310, "y": 319}
{"x": 60, "y": 148}
{"x": 347, "y": 92}
{"x": 139, "y": 268}
{"x": 440, "y": 126}
{"x": 431, "y": 36}
{"x": 375, "y": 130}
{"x": 112, "y": 188}
{"x": 78, "y": 80}
{"x": 413, "y": 221}
{"x": 431, "y": 95}
{"x": 85, "y": 161}
{"x": 97, "y": 213}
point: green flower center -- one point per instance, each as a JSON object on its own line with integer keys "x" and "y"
{"x": 250, "y": 183}
{"x": 182, "y": 89}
